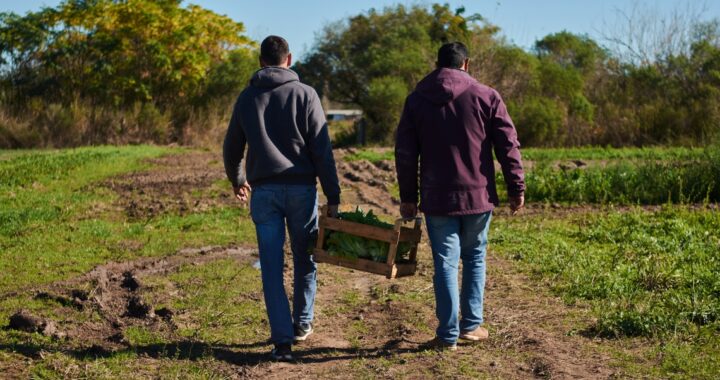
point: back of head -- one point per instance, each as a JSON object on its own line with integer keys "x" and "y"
{"x": 452, "y": 55}
{"x": 274, "y": 50}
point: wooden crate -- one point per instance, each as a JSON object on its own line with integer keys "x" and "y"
{"x": 391, "y": 268}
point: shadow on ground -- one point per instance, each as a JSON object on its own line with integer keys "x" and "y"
{"x": 236, "y": 354}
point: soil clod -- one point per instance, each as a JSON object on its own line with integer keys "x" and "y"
{"x": 80, "y": 295}
{"x": 24, "y": 321}
{"x": 50, "y": 329}
{"x": 165, "y": 313}
{"x": 137, "y": 308}
{"x": 540, "y": 368}
{"x": 117, "y": 338}
{"x": 130, "y": 282}
{"x": 353, "y": 177}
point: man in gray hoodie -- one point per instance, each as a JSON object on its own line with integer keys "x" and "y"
{"x": 281, "y": 121}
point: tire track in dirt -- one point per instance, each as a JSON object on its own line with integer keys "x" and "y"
{"x": 113, "y": 291}
{"x": 168, "y": 186}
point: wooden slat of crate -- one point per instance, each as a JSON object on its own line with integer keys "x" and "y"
{"x": 359, "y": 229}
{"x": 390, "y": 271}
{"x": 412, "y": 235}
{"x": 405, "y": 269}
{"x": 390, "y": 268}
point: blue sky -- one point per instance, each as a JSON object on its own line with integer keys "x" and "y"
{"x": 521, "y": 21}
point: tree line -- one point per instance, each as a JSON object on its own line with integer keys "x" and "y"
{"x": 104, "y": 71}
{"x": 118, "y": 71}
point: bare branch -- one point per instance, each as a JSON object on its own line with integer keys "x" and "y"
{"x": 641, "y": 34}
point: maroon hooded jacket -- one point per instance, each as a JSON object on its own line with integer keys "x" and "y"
{"x": 449, "y": 125}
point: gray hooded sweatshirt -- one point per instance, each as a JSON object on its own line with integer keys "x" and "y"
{"x": 283, "y": 125}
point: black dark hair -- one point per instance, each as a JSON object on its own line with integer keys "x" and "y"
{"x": 452, "y": 55}
{"x": 274, "y": 50}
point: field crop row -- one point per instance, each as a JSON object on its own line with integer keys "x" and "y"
{"x": 555, "y": 154}
{"x": 642, "y": 182}
{"x": 628, "y": 176}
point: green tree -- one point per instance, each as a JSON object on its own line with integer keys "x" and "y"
{"x": 131, "y": 68}
{"x": 572, "y": 51}
{"x": 117, "y": 52}
{"x": 371, "y": 59}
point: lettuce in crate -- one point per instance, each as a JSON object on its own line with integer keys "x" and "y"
{"x": 345, "y": 245}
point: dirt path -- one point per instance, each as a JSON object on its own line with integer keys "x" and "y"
{"x": 366, "y": 325}
{"x": 530, "y": 328}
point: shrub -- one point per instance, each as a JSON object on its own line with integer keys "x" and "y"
{"x": 538, "y": 121}
{"x": 383, "y": 106}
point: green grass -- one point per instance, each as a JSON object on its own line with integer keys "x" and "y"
{"x": 649, "y": 277}
{"x": 56, "y": 221}
{"x": 371, "y": 155}
{"x": 215, "y": 299}
{"x": 36, "y": 189}
{"x": 608, "y": 153}
{"x": 648, "y": 274}
{"x": 646, "y": 182}
{"x": 127, "y": 365}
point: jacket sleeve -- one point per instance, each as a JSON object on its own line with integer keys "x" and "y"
{"x": 321, "y": 150}
{"x": 507, "y": 148}
{"x": 234, "y": 150}
{"x": 407, "y": 150}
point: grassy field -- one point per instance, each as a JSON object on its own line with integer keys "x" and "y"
{"x": 650, "y": 274}
{"x": 628, "y": 291}
{"x": 56, "y": 222}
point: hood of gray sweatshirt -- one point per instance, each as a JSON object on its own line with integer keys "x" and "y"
{"x": 281, "y": 124}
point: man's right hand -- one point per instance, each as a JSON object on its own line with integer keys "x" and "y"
{"x": 517, "y": 203}
{"x": 408, "y": 210}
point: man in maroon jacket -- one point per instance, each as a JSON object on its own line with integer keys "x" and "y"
{"x": 449, "y": 126}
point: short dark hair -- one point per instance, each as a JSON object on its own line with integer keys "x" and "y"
{"x": 274, "y": 50}
{"x": 452, "y": 55}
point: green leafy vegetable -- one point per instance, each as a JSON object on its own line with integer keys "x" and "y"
{"x": 345, "y": 245}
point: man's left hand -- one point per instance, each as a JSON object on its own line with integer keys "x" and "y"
{"x": 242, "y": 192}
{"x": 332, "y": 211}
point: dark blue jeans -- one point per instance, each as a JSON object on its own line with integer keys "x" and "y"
{"x": 271, "y": 208}
{"x": 453, "y": 238}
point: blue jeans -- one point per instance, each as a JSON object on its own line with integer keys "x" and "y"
{"x": 453, "y": 238}
{"x": 271, "y": 207}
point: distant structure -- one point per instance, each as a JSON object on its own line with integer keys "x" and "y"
{"x": 336, "y": 115}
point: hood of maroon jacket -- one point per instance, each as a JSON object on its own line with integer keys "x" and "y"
{"x": 449, "y": 128}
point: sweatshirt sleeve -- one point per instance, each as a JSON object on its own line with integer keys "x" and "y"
{"x": 407, "y": 150}
{"x": 507, "y": 148}
{"x": 234, "y": 150}
{"x": 321, "y": 151}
